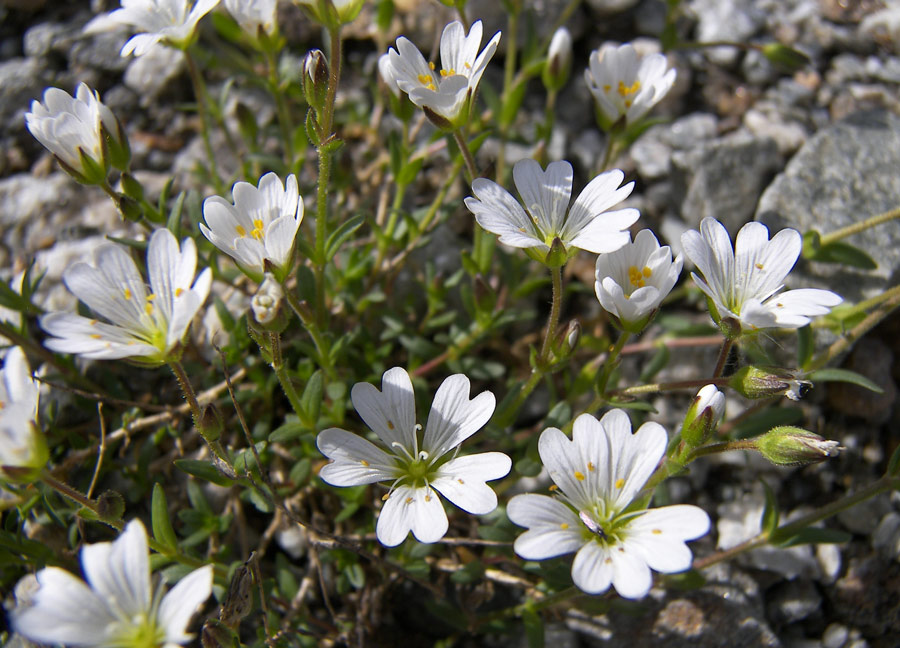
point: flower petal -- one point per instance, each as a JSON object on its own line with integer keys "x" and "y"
{"x": 182, "y": 602}
{"x": 462, "y": 480}
{"x": 391, "y": 412}
{"x": 545, "y": 194}
{"x": 553, "y": 528}
{"x": 453, "y": 417}
{"x": 355, "y": 461}
{"x": 120, "y": 571}
{"x": 411, "y": 509}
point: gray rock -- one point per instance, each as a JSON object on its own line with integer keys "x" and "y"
{"x": 886, "y": 537}
{"x": 725, "y": 20}
{"x": 845, "y": 173}
{"x": 835, "y": 636}
{"x": 47, "y": 37}
{"x": 150, "y": 74}
{"x": 21, "y": 80}
{"x": 652, "y": 152}
{"x": 100, "y": 51}
{"x": 792, "y": 601}
{"x": 24, "y": 197}
{"x": 725, "y": 178}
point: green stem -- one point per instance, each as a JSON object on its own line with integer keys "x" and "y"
{"x": 718, "y": 448}
{"x": 509, "y": 72}
{"x": 210, "y": 435}
{"x": 612, "y": 361}
{"x": 723, "y": 357}
{"x": 848, "y": 338}
{"x": 200, "y": 93}
{"x": 70, "y": 493}
{"x": 790, "y": 529}
{"x": 284, "y": 378}
{"x": 544, "y": 360}
{"x": 322, "y": 348}
{"x": 653, "y": 388}
{"x": 856, "y": 228}
{"x": 467, "y": 154}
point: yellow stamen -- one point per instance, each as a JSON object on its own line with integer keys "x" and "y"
{"x": 409, "y": 500}
{"x": 385, "y": 497}
{"x": 606, "y": 87}
{"x": 460, "y": 481}
{"x": 636, "y": 277}
{"x": 591, "y": 466}
{"x": 446, "y": 73}
{"x": 647, "y": 272}
{"x": 657, "y": 531}
{"x": 427, "y": 498}
{"x": 390, "y": 424}
{"x": 127, "y": 293}
{"x": 148, "y": 307}
{"x": 579, "y": 475}
{"x": 179, "y": 292}
{"x": 364, "y": 462}
{"x": 468, "y": 67}
{"x": 564, "y": 525}
{"x": 430, "y": 66}
{"x": 620, "y": 482}
{"x": 96, "y": 336}
{"x": 759, "y": 266}
{"x": 240, "y": 231}
{"x": 553, "y": 487}
{"x": 625, "y": 90}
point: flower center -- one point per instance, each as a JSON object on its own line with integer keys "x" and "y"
{"x": 141, "y": 632}
{"x": 638, "y": 277}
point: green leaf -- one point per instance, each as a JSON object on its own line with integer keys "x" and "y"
{"x": 770, "y": 514}
{"x": 409, "y": 171}
{"x": 341, "y": 234}
{"x": 311, "y": 401}
{"x": 159, "y": 518}
{"x": 893, "y": 468}
{"x": 512, "y": 103}
{"x": 173, "y": 224}
{"x": 470, "y": 573}
{"x": 203, "y": 470}
{"x": 559, "y": 415}
{"x": 810, "y": 535}
{"x": 805, "y": 346}
{"x": 845, "y": 376}
{"x": 844, "y": 253}
{"x": 534, "y": 628}
{"x": 639, "y": 406}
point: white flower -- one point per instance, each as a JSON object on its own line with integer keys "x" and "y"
{"x": 144, "y": 325}
{"x": 744, "y": 283}
{"x": 625, "y": 84}
{"x": 703, "y": 416}
{"x": 416, "y": 469}
{"x": 23, "y": 450}
{"x": 386, "y": 71}
{"x": 546, "y": 214}
{"x": 253, "y": 15}
{"x": 74, "y": 129}
{"x": 559, "y": 59}
{"x": 260, "y": 226}
{"x": 632, "y": 281}
{"x": 444, "y": 92}
{"x": 172, "y": 22}
{"x": 116, "y": 608}
{"x": 598, "y": 474}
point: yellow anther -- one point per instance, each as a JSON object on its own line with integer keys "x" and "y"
{"x": 127, "y": 293}
{"x": 625, "y": 90}
{"x": 390, "y": 424}
{"x": 240, "y": 231}
{"x": 468, "y": 66}
{"x": 409, "y": 500}
{"x": 446, "y": 73}
{"x": 385, "y": 497}
{"x": 647, "y": 272}
{"x": 427, "y": 498}
{"x": 606, "y": 87}
{"x": 620, "y": 482}
{"x": 759, "y": 266}
{"x": 657, "y": 531}
{"x": 151, "y": 297}
{"x": 148, "y": 307}
{"x": 628, "y": 103}
{"x": 591, "y": 466}
{"x": 636, "y": 277}
{"x": 93, "y": 322}
{"x": 579, "y": 475}
{"x": 608, "y": 561}
{"x": 430, "y": 67}
{"x": 96, "y": 336}
{"x": 460, "y": 481}
{"x": 364, "y": 462}
{"x": 179, "y": 292}
{"x": 564, "y": 525}
{"x": 553, "y": 487}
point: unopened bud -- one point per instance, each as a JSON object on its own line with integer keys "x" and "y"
{"x": 784, "y": 57}
{"x": 131, "y": 187}
{"x": 557, "y": 256}
{"x": 753, "y": 382}
{"x": 315, "y": 79}
{"x": 792, "y": 446}
{"x": 573, "y": 335}
{"x": 267, "y": 301}
{"x": 703, "y": 416}
{"x": 110, "y": 506}
{"x": 239, "y": 601}
{"x": 117, "y": 148}
{"x": 559, "y": 60}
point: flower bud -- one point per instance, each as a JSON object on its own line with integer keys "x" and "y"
{"x": 573, "y": 335}
{"x": 118, "y": 149}
{"x": 559, "y": 60}
{"x": 332, "y": 13}
{"x": 315, "y": 79}
{"x": 792, "y": 446}
{"x": 784, "y": 57}
{"x": 110, "y": 505}
{"x": 753, "y": 382}
{"x": 266, "y": 303}
{"x": 703, "y": 416}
